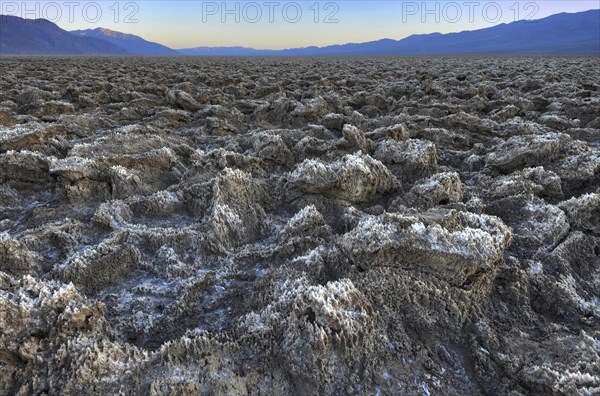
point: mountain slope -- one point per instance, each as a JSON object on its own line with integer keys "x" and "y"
{"x": 134, "y": 45}
{"x": 39, "y": 36}
{"x": 561, "y": 33}
{"x": 577, "y": 33}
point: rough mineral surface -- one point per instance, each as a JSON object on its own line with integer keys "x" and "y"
{"x": 299, "y": 226}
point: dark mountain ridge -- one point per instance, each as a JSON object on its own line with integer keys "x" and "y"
{"x": 576, "y": 33}
{"x": 134, "y": 45}
{"x": 40, "y": 36}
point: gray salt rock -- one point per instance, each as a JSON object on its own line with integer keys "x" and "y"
{"x": 7, "y": 117}
{"x": 334, "y": 121}
{"x": 536, "y": 224}
{"x": 26, "y": 136}
{"x": 181, "y": 99}
{"x": 449, "y": 245}
{"x": 25, "y": 167}
{"x": 410, "y": 159}
{"x": 98, "y": 267}
{"x": 16, "y": 259}
{"x": 583, "y": 212}
{"x": 559, "y": 123}
{"x": 354, "y": 138}
{"x": 308, "y": 222}
{"x": 444, "y": 138}
{"x": 578, "y": 167}
{"x": 466, "y": 122}
{"x": 505, "y": 113}
{"x": 310, "y": 110}
{"x": 439, "y": 189}
{"x": 524, "y": 151}
{"x": 538, "y": 181}
{"x": 272, "y": 148}
{"x": 236, "y": 216}
{"x": 356, "y": 177}
{"x": 52, "y": 110}
{"x": 395, "y": 132}
{"x": 33, "y": 94}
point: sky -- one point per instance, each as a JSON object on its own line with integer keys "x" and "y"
{"x": 277, "y": 24}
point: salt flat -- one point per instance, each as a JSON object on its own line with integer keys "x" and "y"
{"x": 300, "y": 225}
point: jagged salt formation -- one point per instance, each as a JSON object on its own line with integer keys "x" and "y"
{"x": 349, "y": 226}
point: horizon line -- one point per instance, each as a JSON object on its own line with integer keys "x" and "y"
{"x": 301, "y": 47}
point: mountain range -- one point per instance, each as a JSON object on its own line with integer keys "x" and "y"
{"x": 134, "y": 45}
{"x": 576, "y": 33}
{"x": 39, "y": 36}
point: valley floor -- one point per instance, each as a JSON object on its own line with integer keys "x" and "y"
{"x": 300, "y": 226}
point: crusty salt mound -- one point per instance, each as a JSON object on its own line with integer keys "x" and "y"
{"x": 299, "y": 226}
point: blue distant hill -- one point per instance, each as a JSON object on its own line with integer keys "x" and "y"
{"x": 577, "y": 33}
{"x": 134, "y": 45}
{"x": 39, "y": 36}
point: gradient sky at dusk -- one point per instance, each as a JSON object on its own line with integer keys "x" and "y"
{"x": 184, "y": 24}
